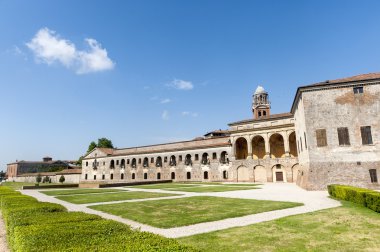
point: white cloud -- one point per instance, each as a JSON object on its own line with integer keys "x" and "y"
{"x": 49, "y": 48}
{"x": 181, "y": 84}
{"x": 165, "y": 115}
{"x": 167, "y": 100}
{"x": 187, "y": 113}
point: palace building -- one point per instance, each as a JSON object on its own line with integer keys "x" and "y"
{"x": 331, "y": 135}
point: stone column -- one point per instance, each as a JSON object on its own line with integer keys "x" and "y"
{"x": 286, "y": 143}
{"x": 267, "y": 145}
{"x": 249, "y": 145}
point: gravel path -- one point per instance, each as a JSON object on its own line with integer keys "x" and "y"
{"x": 3, "y": 238}
{"x": 312, "y": 200}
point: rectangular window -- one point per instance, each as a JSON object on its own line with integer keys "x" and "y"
{"x": 373, "y": 175}
{"x": 358, "y": 90}
{"x": 127, "y": 161}
{"x": 196, "y": 157}
{"x": 117, "y": 162}
{"x": 321, "y": 137}
{"x": 152, "y": 160}
{"x": 214, "y": 156}
{"x": 343, "y": 136}
{"x": 165, "y": 159}
{"x": 180, "y": 158}
{"x": 366, "y": 135}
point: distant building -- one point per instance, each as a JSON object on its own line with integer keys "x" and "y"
{"x": 331, "y": 135}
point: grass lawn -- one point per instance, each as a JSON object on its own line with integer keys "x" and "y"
{"x": 78, "y": 191}
{"x": 347, "y": 228}
{"x": 106, "y": 197}
{"x": 19, "y": 185}
{"x": 217, "y": 188}
{"x": 162, "y": 186}
{"x": 186, "y": 211}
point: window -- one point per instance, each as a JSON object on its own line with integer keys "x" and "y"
{"x": 173, "y": 175}
{"x": 159, "y": 176}
{"x": 373, "y": 175}
{"x": 151, "y": 160}
{"x": 358, "y": 90}
{"x": 304, "y": 134}
{"x": 86, "y": 163}
{"x": 301, "y": 143}
{"x": 214, "y": 155}
{"x": 165, "y": 159}
{"x": 139, "y": 160}
{"x": 133, "y": 176}
{"x": 127, "y": 161}
{"x": 85, "y": 176}
{"x": 225, "y": 175}
{"x": 188, "y": 175}
{"x": 117, "y": 162}
{"x": 264, "y": 113}
{"x": 259, "y": 113}
{"x": 366, "y": 135}
{"x": 145, "y": 175}
{"x": 205, "y": 175}
{"x": 343, "y": 136}
{"x": 94, "y": 177}
{"x": 298, "y": 146}
{"x": 180, "y": 158}
{"x": 111, "y": 175}
{"x": 321, "y": 137}
{"x": 103, "y": 177}
{"x": 196, "y": 157}
{"x": 122, "y": 176}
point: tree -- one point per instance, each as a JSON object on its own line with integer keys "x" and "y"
{"x": 92, "y": 146}
{"x": 45, "y": 180}
{"x": 104, "y": 143}
{"x": 62, "y": 179}
{"x": 38, "y": 178}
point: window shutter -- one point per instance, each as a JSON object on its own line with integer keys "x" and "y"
{"x": 366, "y": 135}
{"x": 321, "y": 137}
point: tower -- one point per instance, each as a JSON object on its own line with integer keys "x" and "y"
{"x": 260, "y": 103}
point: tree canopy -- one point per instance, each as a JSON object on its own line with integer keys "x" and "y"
{"x": 102, "y": 143}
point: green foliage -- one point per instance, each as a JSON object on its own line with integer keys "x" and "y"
{"x": 104, "y": 143}
{"x": 92, "y": 146}
{"x": 38, "y": 178}
{"x": 45, "y": 179}
{"x": 62, "y": 179}
{"x": 365, "y": 197}
{"x": 41, "y": 226}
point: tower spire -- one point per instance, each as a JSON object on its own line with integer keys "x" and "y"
{"x": 260, "y": 103}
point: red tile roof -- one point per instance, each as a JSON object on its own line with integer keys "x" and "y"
{"x": 268, "y": 118}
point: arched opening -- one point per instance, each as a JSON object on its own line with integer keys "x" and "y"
{"x": 85, "y": 176}
{"x": 103, "y": 177}
{"x": 146, "y": 162}
{"x": 188, "y": 175}
{"x": 260, "y": 174}
{"x": 279, "y": 173}
{"x": 111, "y": 176}
{"x": 205, "y": 175}
{"x": 241, "y": 148}
{"x": 295, "y": 171}
{"x": 158, "y": 162}
{"x": 145, "y": 175}
{"x": 224, "y": 158}
{"x": 112, "y": 164}
{"x": 172, "y": 161}
{"x": 94, "y": 177}
{"x": 122, "y": 176}
{"x": 293, "y": 145}
{"x": 188, "y": 160}
{"x": 277, "y": 148}
{"x": 225, "y": 175}
{"x": 133, "y": 176}
{"x": 205, "y": 159}
{"x": 122, "y": 163}
{"x": 133, "y": 164}
{"x": 242, "y": 174}
{"x": 158, "y": 175}
{"x": 258, "y": 147}
{"x": 172, "y": 175}
{"x": 264, "y": 113}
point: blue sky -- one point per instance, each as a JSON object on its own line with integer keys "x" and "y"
{"x": 146, "y": 72}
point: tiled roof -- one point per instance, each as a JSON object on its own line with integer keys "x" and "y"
{"x": 108, "y": 151}
{"x": 271, "y": 117}
{"x": 360, "y": 77}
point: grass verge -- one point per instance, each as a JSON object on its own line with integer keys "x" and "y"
{"x": 205, "y": 189}
{"x": 78, "y": 191}
{"x": 186, "y": 211}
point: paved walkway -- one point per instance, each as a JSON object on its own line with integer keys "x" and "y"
{"x": 312, "y": 200}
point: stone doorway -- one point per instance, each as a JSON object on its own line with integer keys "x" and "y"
{"x": 242, "y": 174}
{"x": 279, "y": 176}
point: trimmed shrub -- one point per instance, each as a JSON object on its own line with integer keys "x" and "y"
{"x": 365, "y": 197}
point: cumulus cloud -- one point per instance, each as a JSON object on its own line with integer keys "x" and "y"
{"x": 48, "y": 47}
{"x": 165, "y": 115}
{"x": 181, "y": 84}
{"x": 187, "y": 113}
{"x": 167, "y": 100}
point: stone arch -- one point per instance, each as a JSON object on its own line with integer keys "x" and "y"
{"x": 241, "y": 148}
{"x": 146, "y": 162}
{"x": 112, "y": 164}
{"x": 260, "y": 174}
{"x": 242, "y": 173}
{"x": 122, "y": 163}
{"x": 205, "y": 160}
{"x": 224, "y": 157}
{"x": 295, "y": 171}
{"x": 158, "y": 161}
{"x": 279, "y": 173}
{"x": 172, "y": 161}
{"x": 258, "y": 147}
{"x": 293, "y": 145}
{"x": 133, "y": 163}
{"x": 277, "y": 147}
{"x": 188, "y": 160}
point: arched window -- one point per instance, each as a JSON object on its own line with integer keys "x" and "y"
{"x": 122, "y": 176}
{"x": 225, "y": 175}
{"x": 172, "y": 175}
{"x": 133, "y": 176}
{"x": 188, "y": 160}
{"x": 224, "y": 158}
{"x": 134, "y": 163}
{"x": 122, "y": 164}
{"x": 146, "y": 162}
{"x": 188, "y": 175}
{"x": 145, "y": 175}
{"x": 86, "y": 163}
{"x": 94, "y": 177}
{"x": 103, "y": 177}
{"x": 158, "y": 175}
{"x": 172, "y": 161}
{"x": 205, "y": 159}
{"x": 112, "y": 164}
{"x": 85, "y": 176}
{"x": 158, "y": 162}
{"x": 205, "y": 175}
{"x": 259, "y": 113}
{"x": 264, "y": 113}
{"x": 111, "y": 176}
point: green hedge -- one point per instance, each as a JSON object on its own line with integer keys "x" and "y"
{"x": 364, "y": 197}
{"x": 41, "y": 226}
